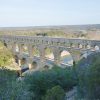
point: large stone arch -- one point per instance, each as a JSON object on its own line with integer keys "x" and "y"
{"x": 35, "y": 51}
{"x": 16, "y": 47}
{"x": 80, "y": 45}
{"x": 96, "y": 48}
{"x": 66, "y": 57}
{"x": 75, "y": 55}
{"x": 24, "y": 48}
{"x": 49, "y": 54}
{"x": 20, "y": 48}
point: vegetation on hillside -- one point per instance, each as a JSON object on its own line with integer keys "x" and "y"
{"x": 11, "y": 88}
{"x": 43, "y": 81}
{"x": 51, "y": 84}
{"x": 88, "y": 72}
{"x": 5, "y": 56}
{"x": 40, "y": 85}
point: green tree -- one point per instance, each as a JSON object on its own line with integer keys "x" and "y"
{"x": 55, "y": 93}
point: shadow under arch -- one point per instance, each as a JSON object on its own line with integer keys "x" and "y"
{"x": 46, "y": 67}
{"x": 16, "y": 58}
{"x": 5, "y": 44}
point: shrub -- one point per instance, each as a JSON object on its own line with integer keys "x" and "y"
{"x": 39, "y": 82}
{"x": 55, "y": 93}
{"x": 11, "y": 88}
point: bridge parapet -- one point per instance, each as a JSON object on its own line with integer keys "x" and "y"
{"x": 47, "y": 40}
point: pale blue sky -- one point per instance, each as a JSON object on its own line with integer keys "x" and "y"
{"x": 48, "y": 12}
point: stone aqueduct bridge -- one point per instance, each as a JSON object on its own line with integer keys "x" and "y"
{"x": 76, "y": 47}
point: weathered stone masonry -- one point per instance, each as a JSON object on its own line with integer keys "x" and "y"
{"x": 57, "y": 45}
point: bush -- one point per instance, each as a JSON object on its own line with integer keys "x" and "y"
{"x": 56, "y": 93}
{"x": 41, "y": 81}
{"x": 11, "y": 88}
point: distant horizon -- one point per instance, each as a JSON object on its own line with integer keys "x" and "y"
{"x": 48, "y": 25}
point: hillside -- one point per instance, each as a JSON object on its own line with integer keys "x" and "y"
{"x": 88, "y": 72}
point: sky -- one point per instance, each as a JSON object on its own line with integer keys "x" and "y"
{"x": 16, "y": 13}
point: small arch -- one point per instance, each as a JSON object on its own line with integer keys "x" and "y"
{"x": 51, "y": 42}
{"x": 46, "y": 42}
{"x": 80, "y": 46}
{"x": 46, "y": 67}
{"x": 72, "y": 45}
{"x": 23, "y": 61}
{"x": 58, "y": 43}
{"x": 34, "y": 65}
{"x": 88, "y": 46}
